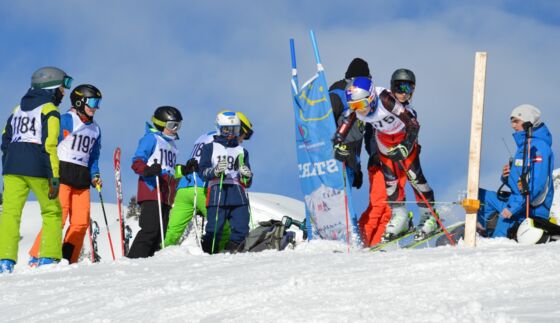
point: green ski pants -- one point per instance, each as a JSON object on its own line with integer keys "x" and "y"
{"x": 16, "y": 190}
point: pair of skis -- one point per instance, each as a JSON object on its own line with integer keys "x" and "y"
{"x": 125, "y": 230}
{"x": 453, "y": 230}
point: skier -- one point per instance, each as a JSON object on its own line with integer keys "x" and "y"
{"x": 78, "y": 152}
{"x": 396, "y": 132}
{"x": 225, "y": 166}
{"x": 348, "y": 145}
{"x": 30, "y": 162}
{"x": 525, "y": 177}
{"x": 182, "y": 211}
{"x": 155, "y": 157}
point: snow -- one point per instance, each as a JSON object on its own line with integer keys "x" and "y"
{"x": 499, "y": 281}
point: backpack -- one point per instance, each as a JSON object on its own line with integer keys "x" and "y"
{"x": 270, "y": 234}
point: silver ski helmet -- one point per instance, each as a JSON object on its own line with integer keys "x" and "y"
{"x": 50, "y": 77}
{"x": 85, "y": 94}
{"x": 403, "y": 81}
{"x": 167, "y": 117}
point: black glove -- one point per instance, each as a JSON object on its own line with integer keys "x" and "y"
{"x": 358, "y": 179}
{"x": 398, "y": 152}
{"x": 190, "y": 167}
{"x": 54, "y": 187}
{"x": 153, "y": 170}
{"x": 341, "y": 152}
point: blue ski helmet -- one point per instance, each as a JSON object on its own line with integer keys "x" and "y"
{"x": 360, "y": 93}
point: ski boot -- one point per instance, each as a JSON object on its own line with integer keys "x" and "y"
{"x": 33, "y": 262}
{"x": 6, "y": 266}
{"x": 429, "y": 228}
{"x": 47, "y": 261}
{"x": 400, "y": 223}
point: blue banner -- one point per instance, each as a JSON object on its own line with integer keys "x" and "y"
{"x": 321, "y": 176}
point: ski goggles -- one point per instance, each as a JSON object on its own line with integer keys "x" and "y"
{"x": 67, "y": 82}
{"x": 173, "y": 125}
{"x": 93, "y": 103}
{"x": 230, "y": 131}
{"x": 360, "y": 105}
{"x": 404, "y": 87}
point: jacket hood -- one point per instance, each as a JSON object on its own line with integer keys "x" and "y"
{"x": 36, "y": 97}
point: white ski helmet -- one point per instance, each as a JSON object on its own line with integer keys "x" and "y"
{"x": 528, "y": 234}
{"x": 228, "y": 124}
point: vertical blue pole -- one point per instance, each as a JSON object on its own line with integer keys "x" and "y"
{"x": 315, "y": 48}
{"x": 294, "y": 65}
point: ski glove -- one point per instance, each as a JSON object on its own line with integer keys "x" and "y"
{"x": 220, "y": 168}
{"x": 54, "y": 187}
{"x": 245, "y": 171}
{"x": 153, "y": 170}
{"x": 398, "y": 152}
{"x": 96, "y": 180}
{"x": 341, "y": 152}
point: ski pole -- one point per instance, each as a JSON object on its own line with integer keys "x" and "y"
{"x": 434, "y": 214}
{"x": 241, "y": 157}
{"x": 98, "y": 187}
{"x": 217, "y": 209}
{"x": 159, "y": 209}
{"x": 91, "y": 240}
{"x": 194, "y": 211}
{"x": 346, "y": 206}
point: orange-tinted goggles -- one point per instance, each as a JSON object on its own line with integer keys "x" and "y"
{"x": 359, "y": 104}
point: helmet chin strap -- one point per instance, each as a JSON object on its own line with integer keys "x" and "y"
{"x": 83, "y": 116}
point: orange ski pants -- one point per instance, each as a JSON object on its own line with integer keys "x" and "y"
{"x": 377, "y": 215}
{"x": 76, "y": 204}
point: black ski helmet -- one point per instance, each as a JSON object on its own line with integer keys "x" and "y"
{"x": 400, "y": 75}
{"x": 81, "y": 94}
{"x": 164, "y": 114}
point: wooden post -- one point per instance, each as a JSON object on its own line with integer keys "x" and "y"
{"x": 475, "y": 146}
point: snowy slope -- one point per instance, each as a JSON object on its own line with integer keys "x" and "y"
{"x": 499, "y": 281}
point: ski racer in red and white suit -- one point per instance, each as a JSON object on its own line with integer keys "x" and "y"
{"x": 396, "y": 132}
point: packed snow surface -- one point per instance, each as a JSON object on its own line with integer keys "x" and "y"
{"x": 499, "y": 281}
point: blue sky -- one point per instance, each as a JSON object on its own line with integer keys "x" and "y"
{"x": 206, "y": 56}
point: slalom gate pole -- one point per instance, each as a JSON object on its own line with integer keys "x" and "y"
{"x": 241, "y": 157}
{"x": 428, "y": 205}
{"x": 346, "y": 207}
{"x": 217, "y": 210}
{"x": 194, "y": 211}
{"x": 159, "y": 209}
{"x": 106, "y": 224}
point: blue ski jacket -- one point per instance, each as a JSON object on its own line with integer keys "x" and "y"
{"x": 541, "y": 165}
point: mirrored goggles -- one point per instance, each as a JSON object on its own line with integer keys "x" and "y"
{"x": 404, "y": 87}
{"x": 230, "y": 131}
{"x": 359, "y": 105}
{"x": 67, "y": 82}
{"x": 93, "y": 103}
{"x": 173, "y": 125}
